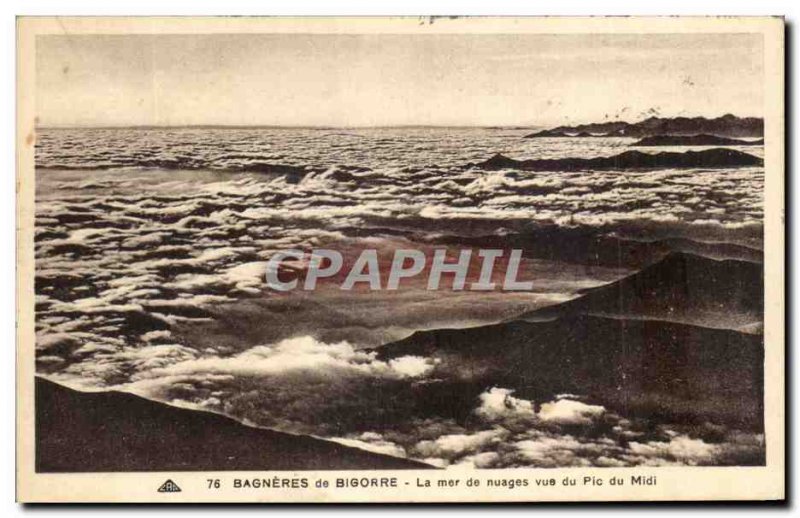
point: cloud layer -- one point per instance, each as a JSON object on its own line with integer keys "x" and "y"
{"x": 510, "y": 432}
{"x": 149, "y": 278}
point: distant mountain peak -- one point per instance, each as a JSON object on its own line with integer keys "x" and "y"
{"x": 628, "y": 160}
{"x": 728, "y": 125}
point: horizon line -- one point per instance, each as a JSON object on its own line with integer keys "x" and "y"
{"x": 378, "y": 126}
{"x": 289, "y": 126}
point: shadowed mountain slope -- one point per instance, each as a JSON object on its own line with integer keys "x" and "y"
{"x": 683, "y": 288}
{"x": 664, "y": 343}
{"x": 116, "y": 431}
{"x": 587, "y": 246}
{"x": 695, "y": 140}
{"x": 648, "y": 369}
{"x": 711, "y": 158}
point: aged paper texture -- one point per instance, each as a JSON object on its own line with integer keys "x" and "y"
{"x": 400, "y": 259}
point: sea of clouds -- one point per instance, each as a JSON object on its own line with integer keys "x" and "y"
{"x": 151, "y": 280}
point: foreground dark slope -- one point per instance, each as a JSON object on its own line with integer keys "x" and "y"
{"x": 115, "y": 431}
{"x": 635, "y": 361}
{"x": 683, "y": 288}
{"x": 667, "y": 372}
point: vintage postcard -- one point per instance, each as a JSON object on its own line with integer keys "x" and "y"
{"x": 400, "y": 259}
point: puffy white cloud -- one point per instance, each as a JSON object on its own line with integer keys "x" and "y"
{"x": 679, "y": 449}
{"x": 510, "y": 433}
{"x": 567, "y": 411}
{"x": 373, "y": 442}
{"x": 497, "y": 404}
{"x": 412, "y": 366}
{"x": 454, "y": 446}
{"x": 297, "y": 354}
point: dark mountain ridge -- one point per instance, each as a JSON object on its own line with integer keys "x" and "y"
{"x": 642, "y": 346}
{"x": 682, "y": 288}
{"x": 580, "y": 245}
{"x": 725, "y": 126}
{"x": 710, "y": 158}
{"x": 694, "y": 140}
{"x": 116, "y": 431}
{"x": 638, "y": 368}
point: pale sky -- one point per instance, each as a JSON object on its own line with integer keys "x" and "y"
{"x": 374, "y": 80}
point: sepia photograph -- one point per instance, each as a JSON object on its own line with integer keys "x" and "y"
{"x": 337, "y": 255}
